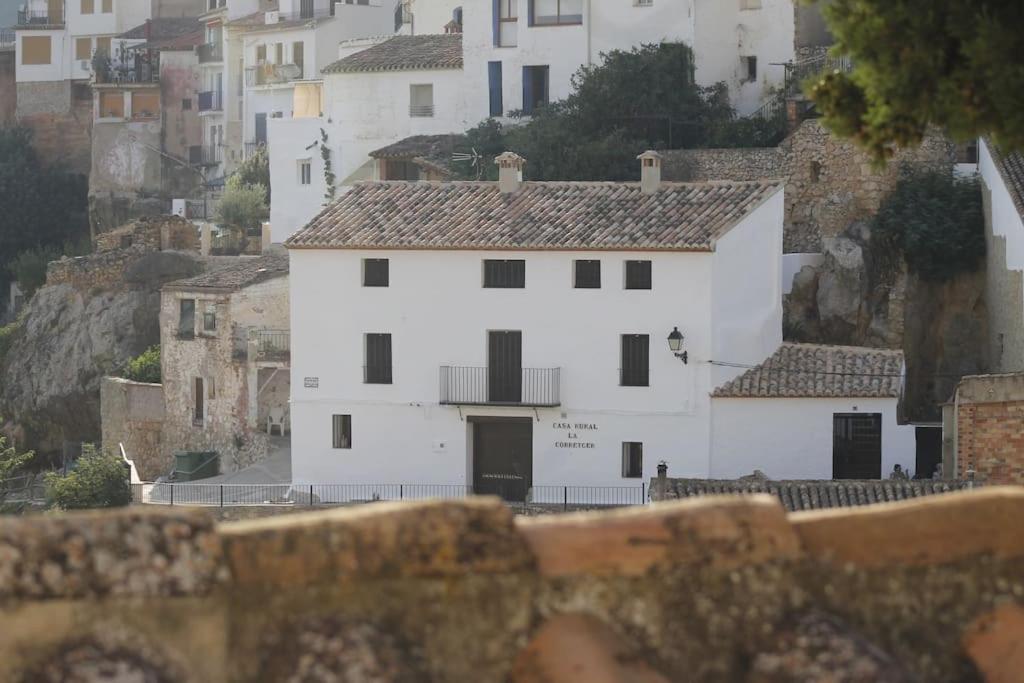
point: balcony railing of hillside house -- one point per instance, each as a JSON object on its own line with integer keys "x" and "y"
{"x": 40, "y": 17}
{"x": 210, "y": 52}
{"x": 307, "y": 12}
{"x": 403, "y": 16}
{"x": 798, "y": 72}
{"x": 268, "y": 74}
{"x": 481, "y": 386}
{"x": 6, "y": 38}
{"x": 269, "y": 344}
{"x": 250, "y": 148}
{"x": 204, "y": 155}
{"x": 209, "y": 100}
{"x": 128, "y": 73}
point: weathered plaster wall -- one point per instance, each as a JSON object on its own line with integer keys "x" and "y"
{"x": 179, "y": 81}
{"x": 829, "y": 182}
{"x": 60, "y": 116}
{"x": 125, "y": 157}
{"x": 708, "y": 590}
{"x": 132, "y": 415}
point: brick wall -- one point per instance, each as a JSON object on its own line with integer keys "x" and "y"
{"x": 990, "y": 428}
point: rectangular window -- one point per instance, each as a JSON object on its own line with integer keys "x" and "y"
{"x": 857, "y": 446}
{"x": 341, "y": 431}
{"x": 198, "y": 399}
{"x": 400, "y": 170}
{"x": 35, "y": 50}
{"x": 278, "y": 53}
{"x": 112, "y": 105}
{"x": 187, "y": 318}
{"x": 375, "y": 272}
{"x": 421, "y": 100}
{"x": 108, "y": 6}
{"x": 83, "y": 48}
{"x": 103, "y": 45}
{"x": 750, "y": 4}
{"x": 587, "y": 275}
{"x": 88, "y": 6}
{"x": 299, "y": 56}
{"x": 378, "y": 359}
{"x": 638, "y": 274}
{"x": 749, "y": 68}
{"x": 145, "y": 105}
{"x": 497, "y": 107}
{"x": 504, "y": 274}
{"x": 635, "y": 366}
{"x": 186, "y": 104}
{"x": 305, "y": 171}
{"x": 632, "y": 460}
{"x": 506, "y": 23}
{"x": 555, "y": 12}
{"x": 210, "y": 319}
{"x": 535, "y": 87}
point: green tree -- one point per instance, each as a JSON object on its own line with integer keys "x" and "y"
{"x": 11, "y": 461}
{"x": 242, "y": 206}
{"x": 255, "y": 170}
{"x": 936, "y": 222}
{"x": 98, "y": 480}
{"x": 954, "y": 63}
{"x": 145, "y": 367}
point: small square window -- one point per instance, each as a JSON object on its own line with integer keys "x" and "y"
{"x": 305, "y": 171}
{"x": 632, "y": 460}
{"x": 376, "y": 272}
{"x": 504, "y": 274}
{"x": 588, "y": 274}
{"x": 341, "y": 431}
{"x": 186, "y": 104}
{"x": 638, "y": 274}
{"x": 421, "y": 100}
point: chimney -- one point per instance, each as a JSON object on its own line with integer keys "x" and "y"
{"x": 510, "y": 172}
{"x": 650, "y": 172}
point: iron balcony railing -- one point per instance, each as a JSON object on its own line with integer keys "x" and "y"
{"x": 307, "y": 12}
{"x": 41, "y": 17}
{"x": 204, "y": 155}
{"x": 117, "y": 75}
{"x": 797, "y": 73}
{"x": 210, "y": 100}
{"x": 210, "y": 52}
{"x": 250, "y": 148}
{"x": 531, "y": 387}
{"x": 271, "y": 344}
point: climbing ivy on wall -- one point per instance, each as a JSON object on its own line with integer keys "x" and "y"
{"x": 325, "y": 153}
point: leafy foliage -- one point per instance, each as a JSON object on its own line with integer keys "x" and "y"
{"x": 29, "y": 267}
{"x": 936, "y": 221}
{"x": 255, "y": 170}
{"x": 635, "y": 100}
{"x": 145, "y": 367}
{"x": 12, "y": 462}
{"x": 954, "y": 63}
{"x": 329, "y": 179}
{"x": 99, "y": 480}
{"x": 243, "y": 206}
{"x": 41, "y": 206}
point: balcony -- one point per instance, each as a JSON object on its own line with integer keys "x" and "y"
{"x": 210, "y": 53}
{"x": 250, "y": 148}
{"x": 210, "y": 100}
{"x": 271, "y": 74}
{"x": 41, "y": 17}
{"x": 204, "y": 155}
{"x": 481, "y": 386}
{"x": 127, "y": 74}
{"x": 269, "y": 346}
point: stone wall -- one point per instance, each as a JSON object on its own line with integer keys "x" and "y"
{"x": 153, "y": 234}
{"x": 717, "y": 589}
{"x": 990, "y": 428}
{"x": 829, "y": 182}
{"x": 92, "y": 273}
{"x": 60, "y": 116}
{"x": 132, "y": 415}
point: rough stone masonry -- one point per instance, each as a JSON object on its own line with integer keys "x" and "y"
{"x": 714, "y": 589}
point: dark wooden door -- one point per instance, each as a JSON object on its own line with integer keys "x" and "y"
{"x": 261, "y": 128}
{"x": 505, "y": 366}
{"x": 929, "y": 452}
{"x": 503, "y": 457}
{"x": 857, "y": 446}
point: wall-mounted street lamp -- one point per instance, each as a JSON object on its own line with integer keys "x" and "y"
{"x": 675, "y": 345}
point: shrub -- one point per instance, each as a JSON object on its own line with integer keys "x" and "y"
{"x": 29, "y": 268}
{"x": 242, "y": 205}
{"x": 936, "y": 222}
{"x": 145, "y": 367}
{"x": 98, "y": 480}
{"x": 12, "y": 462}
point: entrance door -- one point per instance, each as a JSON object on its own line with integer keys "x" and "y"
{"x": 261, "y": 128}
{"x": 929, "y": 452}
{"x": 503, "y": 457}
{"x": 505, "y": 366}
{"x": 857, "y": 446}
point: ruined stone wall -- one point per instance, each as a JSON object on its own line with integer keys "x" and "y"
{"x": 92, "y": 273}
{"x": 990, "y": 428}
{"x": 829, "y": 182}
{"x": 132, "y": 415}
{"x": 151, "y": 234}
{"x": 716, "y": 589}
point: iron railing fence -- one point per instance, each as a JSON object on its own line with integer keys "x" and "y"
{"x": 797, "y": 73}
{"x": 271, "y": 344}
{"x": 531, "y": 387}
{"x": 307, "y": 12}
{"x": 43, "y": 17}
{"x": 250, "y": 148}
{"x": 237, "y": 495}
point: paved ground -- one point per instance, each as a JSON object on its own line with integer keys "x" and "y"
{"x": 276, "y": 469}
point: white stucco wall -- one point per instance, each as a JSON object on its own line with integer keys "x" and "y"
{"x": 791, "y": 438}
{"x": 439, "y": 314}
{"x": 1006, "y": 221}
{"x": 293, "y": 204}
{"x": 430, "y": 16}
{"x": 56, "y": 70}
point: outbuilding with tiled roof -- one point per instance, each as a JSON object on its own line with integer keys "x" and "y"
{"x": 404, "y": 53}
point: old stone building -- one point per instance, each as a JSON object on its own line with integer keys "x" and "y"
{"x": 225, "y": 361}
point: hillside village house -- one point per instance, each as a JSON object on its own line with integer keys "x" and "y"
{"x": 514, "y": 335}
{"x": 224, "y": 346}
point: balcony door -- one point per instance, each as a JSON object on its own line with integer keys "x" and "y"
{"x": 505, "y": 366}
{"x": 306, "y": 9}
{"x": 261, "y": 128}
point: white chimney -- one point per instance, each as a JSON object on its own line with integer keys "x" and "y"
{"x": 510, "y": 172}
{"x": 650, "y": 172}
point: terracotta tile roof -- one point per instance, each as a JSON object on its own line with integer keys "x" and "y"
{"x": 403, "y": 53}
{"x": 162, "y": 28}
{"x": 243, "y": 273}
{"x": 810, "y": 494}
{"x": 434, "y": 151}
{"x": 541, "y": 215}
{"x": 1011, "y": 168}
{"x": 818, "y": 371}
{"x": 257, "y": 22}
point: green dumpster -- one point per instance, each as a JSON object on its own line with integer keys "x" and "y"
{"x": 193, "y": 465}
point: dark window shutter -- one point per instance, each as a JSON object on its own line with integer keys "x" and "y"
{"x": 375, "y": 272}
{"x": 638, "y": 274}
{"x": 588, "y": 274}
{"x": 635, "y": 360}
{"x": 378, "y": 359}
{"x": 496, "y": 21}
{"x": 494, "y": 84}
{"x": 500, "y": 274}
{"x": 528, "y": 84}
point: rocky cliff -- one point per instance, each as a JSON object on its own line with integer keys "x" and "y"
{"x": 94, "y": 313}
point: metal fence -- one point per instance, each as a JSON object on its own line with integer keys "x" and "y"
{"x": 491, "y": 386}
{"x": 236, "y": 495}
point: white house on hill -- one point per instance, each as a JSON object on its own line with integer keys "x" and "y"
{"x": 515, "y": 335}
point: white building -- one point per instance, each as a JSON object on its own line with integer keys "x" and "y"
{"x": 396, "y": 88}
{"x": 520, "y": 53}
